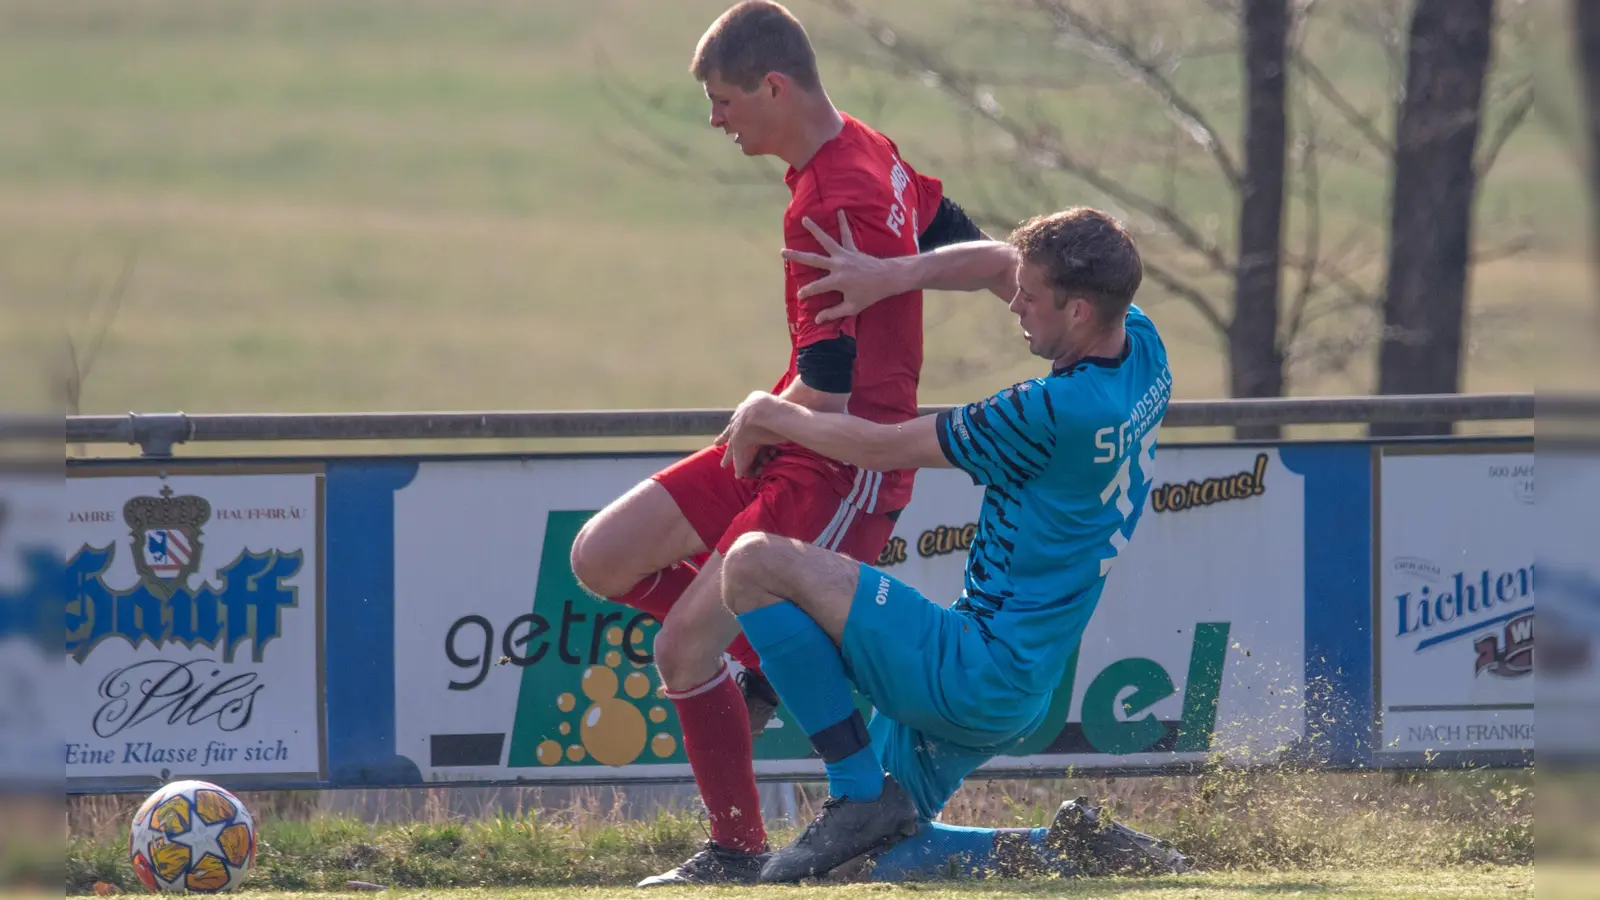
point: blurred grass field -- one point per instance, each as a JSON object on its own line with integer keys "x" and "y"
{"x": 340, "y": 205}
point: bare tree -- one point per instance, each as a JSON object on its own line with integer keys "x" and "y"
{"x": 1331, "y": 317}
{"x": 1431, "y": 211}
{"x": 1255, "y": 360}
{"x": 1045, "y": 164}
{"x": 82, "y": 350}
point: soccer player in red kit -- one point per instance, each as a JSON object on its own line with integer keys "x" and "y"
{"x": 659, "y": 547}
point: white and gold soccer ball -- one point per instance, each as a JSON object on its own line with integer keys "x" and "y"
{"x": 192, "y": 837}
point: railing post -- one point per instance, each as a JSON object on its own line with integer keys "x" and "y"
{"x": 156, "y": 433}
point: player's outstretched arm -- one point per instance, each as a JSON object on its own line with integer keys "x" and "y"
{"x": 822, "y": 401}
{"x": 864, "y": 280}
{"x": 764, "y": 419}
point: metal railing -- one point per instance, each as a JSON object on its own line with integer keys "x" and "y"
{"x": 158, "y": 433}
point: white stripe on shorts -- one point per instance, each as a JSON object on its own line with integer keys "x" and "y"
{"x": 866, "y": 485}
{"x": 840, "y": 514}
{"x": 877, "y": 482}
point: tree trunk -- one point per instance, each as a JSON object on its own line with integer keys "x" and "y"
{"x": 1254, "y": 358}
{"x": 1430, "y": 223}
{"x": 1586, "y": 36}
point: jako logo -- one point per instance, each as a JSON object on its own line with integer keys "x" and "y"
{"x": 883, "y": 591}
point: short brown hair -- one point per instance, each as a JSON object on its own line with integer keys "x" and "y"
{"x": 751, "y": 39}
{"x": 1084, "y": 253}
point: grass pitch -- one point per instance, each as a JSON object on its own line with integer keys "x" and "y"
{"x": 1368, "y": 885}
{"x": 1238, "y": 829}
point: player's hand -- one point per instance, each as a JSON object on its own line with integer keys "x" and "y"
{"x": 749, "y": 444}
{"x": 860, "y": 279}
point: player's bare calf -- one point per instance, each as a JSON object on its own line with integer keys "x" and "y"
{"x": 689, "y": 646}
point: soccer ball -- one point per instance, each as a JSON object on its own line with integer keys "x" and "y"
{"x": 192, "y": 837}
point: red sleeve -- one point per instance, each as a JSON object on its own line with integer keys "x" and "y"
{"x": 872, "y": 227}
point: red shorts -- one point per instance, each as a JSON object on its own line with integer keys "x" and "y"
{"x": 797, "y": 496}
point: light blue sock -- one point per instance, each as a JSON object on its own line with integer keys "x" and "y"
{"x": 938, "y": 851}
{"x": 806, "y": 670}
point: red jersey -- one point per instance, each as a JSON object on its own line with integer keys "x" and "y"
{"x": 887, "y": 205}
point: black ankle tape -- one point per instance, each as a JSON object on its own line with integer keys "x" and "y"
{"x": 842, "y": 739}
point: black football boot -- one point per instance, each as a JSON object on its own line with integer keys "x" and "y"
{"x": 713, "y": 865}
{"x": 759, "y": 698}
{"x": 844, "y": 830}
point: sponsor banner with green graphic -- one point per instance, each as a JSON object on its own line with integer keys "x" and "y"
{"x": 505, "y": 668}
{"x": 608, "y": 708}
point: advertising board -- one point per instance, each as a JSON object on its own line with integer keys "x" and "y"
{"x": 1454, "y": 603}
{"x": 194, "y": 624}
{"x": 506, "y": 668}
{"x": 392, "y": 621}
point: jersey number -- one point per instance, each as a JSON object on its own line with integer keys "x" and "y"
{"x": 1119, "y": 488}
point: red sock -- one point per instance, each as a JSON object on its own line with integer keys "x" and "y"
{"x": 656, "y": 594}
{"x": 716, "y": 737}
{"x": 747, "y": 656}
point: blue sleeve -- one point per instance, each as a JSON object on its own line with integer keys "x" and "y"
{"x": 1007, "y": 438}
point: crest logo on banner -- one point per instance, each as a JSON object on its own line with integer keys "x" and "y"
{"x": 166, "y": 538}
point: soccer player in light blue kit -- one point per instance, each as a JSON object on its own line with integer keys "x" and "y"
{"x": 1067, "y": 460}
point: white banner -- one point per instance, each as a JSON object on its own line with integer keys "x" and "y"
{"x": 194, "y": 623}
{"x": 504, "y": 666}
{"x": 1455, "y": 601}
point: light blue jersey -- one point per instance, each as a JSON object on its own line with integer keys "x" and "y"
{"x": 1067, "y": 460}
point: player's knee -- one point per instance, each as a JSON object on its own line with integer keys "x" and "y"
{"x": 680, "y": 659}
{"x": 665, "y": 648}
{"x": 579, "y": 559}
{"x": 745, "y": 569}
{"x": 593, "y": 572}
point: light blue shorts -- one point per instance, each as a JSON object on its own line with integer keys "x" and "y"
{"x": 942, "y": 706}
